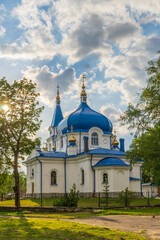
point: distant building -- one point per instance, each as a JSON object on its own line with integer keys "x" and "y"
{"x": 83, "y": 150}
{"x": 150, "y": 190}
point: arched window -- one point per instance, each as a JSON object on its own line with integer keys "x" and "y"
{"x": 61, "y": 141}
{"x": 32, "y": 174}
{"x": 82, "y": 176}
{"x": 94, "y": 139}
{"x": 105, "y": 178}
{"x": 53, "y": 177}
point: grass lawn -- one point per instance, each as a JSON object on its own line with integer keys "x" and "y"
{"x": 83, "y": 202}
{"x": 56, "y": 229}
{"x": 72, "y": 215}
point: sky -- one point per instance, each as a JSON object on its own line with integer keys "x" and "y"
{"x": 54, "y": 42}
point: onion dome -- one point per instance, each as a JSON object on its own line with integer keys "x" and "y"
{"x": 72, "y": 139}
{"x": 115, "y": 141}
{"x": 84, "y": 118}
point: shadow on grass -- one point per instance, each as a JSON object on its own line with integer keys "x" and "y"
{"x": 28, "y": 229}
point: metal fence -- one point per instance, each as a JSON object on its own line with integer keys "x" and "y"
{"x": 100, "y": 200}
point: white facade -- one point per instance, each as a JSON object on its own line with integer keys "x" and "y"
{"x": 83, "y": 150}
{"x": 150, "y": 190}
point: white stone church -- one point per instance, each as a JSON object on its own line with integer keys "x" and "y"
{"x": 83, "y": 150}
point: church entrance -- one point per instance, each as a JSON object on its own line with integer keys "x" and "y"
{"x": 32, "y": 188}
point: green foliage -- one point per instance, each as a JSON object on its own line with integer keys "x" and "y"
{"x": 147, "y": 147}
{"x": 69, "y": 200}
{"x": 19, "y": 122}
{"x": 126, "y": 197}
{"x": 6, "y": 183}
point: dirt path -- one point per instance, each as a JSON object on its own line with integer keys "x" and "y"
{"x": 149, "y": 226}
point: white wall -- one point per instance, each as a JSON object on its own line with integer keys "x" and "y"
{"x": 118, "y": 178}
{"x": 49, "y": 166}
{"x": 135, "y": 186}
{"x": 36, "y": 179}
{"x": 73, "y": 173}
{"x": 104, "y": 140}
{"x": 135, "y": 173}
{"x": 152, "y": 189}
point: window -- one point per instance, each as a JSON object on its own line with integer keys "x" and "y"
{"x": 53, "y": 178}
{"x": 61, "y": 141}
{"x": 94, "y": 139}
{"x": 32, "y": 173}
{"x": 82, "y": 176}
{"x": 105, "y": 178}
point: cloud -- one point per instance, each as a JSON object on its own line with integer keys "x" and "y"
{"x": 127, "y": 90}
{"x": 113, "y": 113}
{"x": 2, "y": 12}
{"x": 36, "y": 40}
{"x": 47, "y": 82}
{"x": 123, "y": 33}
{"x": 2, "y": 31}
{"x": 85, "y": 38}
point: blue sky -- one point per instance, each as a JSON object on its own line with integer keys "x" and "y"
{"x": 54, "y": 42}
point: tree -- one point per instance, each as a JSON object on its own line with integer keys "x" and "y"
{"x": 126, "y": 197}
{"x": 146, "y": 113}
{"x": 6, "y": 183}
{"x": 69, "y": 200}
{"x": 19, "y": 122}
{"x": 144, "y": 118}
{"x": 147, "y": 147}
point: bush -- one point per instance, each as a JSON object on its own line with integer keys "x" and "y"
{"x": 126, "y": 197}
{"x": 69, "y": 200}
{"x": 106, "y": 193}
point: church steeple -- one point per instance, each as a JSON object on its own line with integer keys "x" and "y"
{"x": 58, "y": 116}
{"x": 83, "y": 93}
{"x": 58, "y": 97}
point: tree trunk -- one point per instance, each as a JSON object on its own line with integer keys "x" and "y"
{"x": 1, "y": 196}
{"x": 16, "y": 188}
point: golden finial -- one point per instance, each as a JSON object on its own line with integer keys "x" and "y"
{"x": 83, "y": 93}
{"x": 72, "y": 139}
{"x": 115, "y": 141}
{"x": 58, "y": 97}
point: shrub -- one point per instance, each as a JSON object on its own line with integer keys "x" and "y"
{"x": 69, "y": 200}
{"x": 106, "y": 193}
{"x": 126, "y": 197}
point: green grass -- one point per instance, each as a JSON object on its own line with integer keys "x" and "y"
{"x": 83, "y": 202}
{"x": 134, "y": 211}
{"x": 72, "y": 215}
{"x": 56, "y": 229}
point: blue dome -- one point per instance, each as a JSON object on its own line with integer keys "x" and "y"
{"x": 84, "y": 118}
{"x": 110, "y": 162}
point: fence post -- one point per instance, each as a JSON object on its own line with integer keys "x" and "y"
{"x": 99, "y": 199}
{"x": 148, "y": 202}
{"x": 126, "y": 200}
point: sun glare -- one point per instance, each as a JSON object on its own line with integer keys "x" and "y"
{"x": 5, "y": 108}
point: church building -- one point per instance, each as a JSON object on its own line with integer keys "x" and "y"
{"x": 82, "y": 149}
